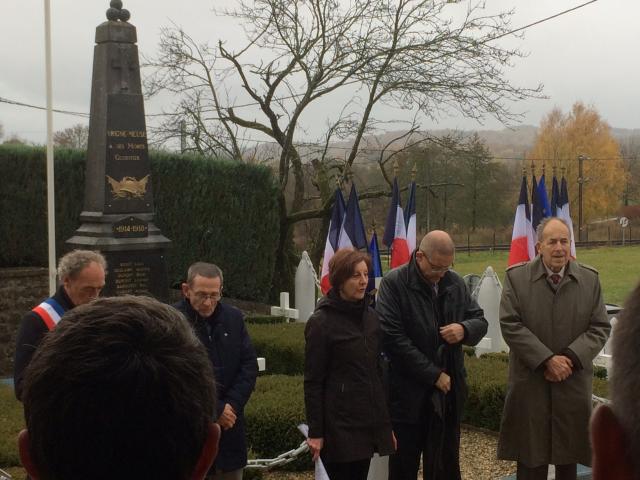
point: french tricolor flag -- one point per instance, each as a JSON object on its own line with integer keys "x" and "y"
{"x": 563, "y": 212}
{"x": 352, "y": 234}
{"x": 410, "y": 218}
{"x": 333, "y": 239}
{"x": 395, "y": 231}
{"x": 522, "y": 241}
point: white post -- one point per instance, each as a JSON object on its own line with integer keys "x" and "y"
{"x": 51, "y": 211}
{"x": 305, "y": 284}
{"x": 489, "y": 291}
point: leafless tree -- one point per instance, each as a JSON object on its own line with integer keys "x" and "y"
{"x": 423, "y": 56}
{"x": 76, "y": 136}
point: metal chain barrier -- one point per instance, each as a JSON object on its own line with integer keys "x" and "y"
{"x": 307, "y": 259}
{"x": 282, "y": 459}
{"x": 596, "y": 400}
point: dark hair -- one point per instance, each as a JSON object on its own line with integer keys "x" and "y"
{"x": 121, "y": 388}
{"x": 343, "y": 264}
{"x": 624, "y": 384}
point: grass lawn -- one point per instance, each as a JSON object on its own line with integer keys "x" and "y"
{"x": 619, "y": 267}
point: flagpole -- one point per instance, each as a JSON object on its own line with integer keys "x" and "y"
{"x": 51, "y": 220}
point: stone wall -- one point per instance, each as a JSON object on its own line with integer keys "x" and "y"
{"x": 20, "y": 290}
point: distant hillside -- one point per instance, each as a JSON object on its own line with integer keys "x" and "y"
{"x": 507, "y": 143}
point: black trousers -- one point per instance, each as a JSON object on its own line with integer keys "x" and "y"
{"x": 563, "y": 472}
{"x": 439, "y": 463}
{"x": 357, "y": 470}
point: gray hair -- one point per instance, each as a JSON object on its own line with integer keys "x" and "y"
{"x": 206, "y": 270}
{"x": 545, "y": 221}
{"x": 73, "y": 262}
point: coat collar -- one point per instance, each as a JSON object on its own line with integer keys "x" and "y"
{"x": 538, "y": 271}
{"x": 416, "y": 280}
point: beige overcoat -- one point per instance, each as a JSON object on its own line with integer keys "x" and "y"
{"x": 545, "y": 422}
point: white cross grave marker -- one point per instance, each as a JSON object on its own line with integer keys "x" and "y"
{"x": 283, "y": 310}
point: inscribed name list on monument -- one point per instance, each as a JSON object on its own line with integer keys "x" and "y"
{"x": 142, "y": 274}
{"x": 127, "y": 170}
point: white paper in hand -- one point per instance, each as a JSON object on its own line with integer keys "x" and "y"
{"x": 321, "y": 473}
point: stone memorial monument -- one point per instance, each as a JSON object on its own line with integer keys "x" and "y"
{"x": 117, "y": 218}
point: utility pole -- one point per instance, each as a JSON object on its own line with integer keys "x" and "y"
{"x": 580, "y": 183}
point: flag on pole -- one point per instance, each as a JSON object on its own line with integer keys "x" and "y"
{"x": 536, "y": 207}
{"x": 410, "y": 218}
{"x": 563, "y": 213}
{"x": 555, "y": 196}
{"x": 544, "y": 199}
{"x": 522, "y": 240}
{"x": 375, "y": 274}
{"x": 333, "y": 239}
{"x": 395, "y": 232}
{"x": 352, "y": 234}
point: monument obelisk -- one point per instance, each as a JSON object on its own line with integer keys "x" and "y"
{"x": 117, "y": 218}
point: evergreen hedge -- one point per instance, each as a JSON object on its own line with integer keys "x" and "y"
{"x": 212, "y": 210}
{"x": 273, "y": 414}
{"x": 282, "y": 346}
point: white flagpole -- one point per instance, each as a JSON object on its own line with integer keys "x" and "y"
{"x": 51, "y": 212}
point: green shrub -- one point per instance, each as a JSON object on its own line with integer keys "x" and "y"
{"x": 265, "y": 319}
{"x": 273, "y": 414}
{"x": 599, "y": 372}
{"x": 501, "y": 356}
{"x": 487, "y": 380}
{"x": 212, "y": 210}
{"x": 282, "y": 345}
{"x": 469, "y": 351}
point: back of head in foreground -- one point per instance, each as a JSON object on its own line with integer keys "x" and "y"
{"x": 615, "y": 429}
{"x": 121, "y": 389}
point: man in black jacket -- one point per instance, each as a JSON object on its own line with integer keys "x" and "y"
{"x": 426, "y": 314}
{"x": 221, "y": 330}
{"x": 81, "y": 273}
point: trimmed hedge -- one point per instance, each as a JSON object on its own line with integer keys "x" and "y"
{"x": 23, "y": 202}
{"x": 273, "y": 414}
{"x": 282, "y": 345}
{"x": 265, "y": 319}
{"x": 212, "y": 210}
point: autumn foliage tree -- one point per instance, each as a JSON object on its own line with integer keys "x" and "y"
{"x": 562, "y": 138}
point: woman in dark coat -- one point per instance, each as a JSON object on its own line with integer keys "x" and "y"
{"x": 345, "y": 400}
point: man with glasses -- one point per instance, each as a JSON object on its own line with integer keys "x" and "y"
{"x": 221, "y": 330}
{"x": 427, "y": 314}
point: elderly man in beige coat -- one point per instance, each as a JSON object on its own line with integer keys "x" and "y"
{"x": 553, "y": 318}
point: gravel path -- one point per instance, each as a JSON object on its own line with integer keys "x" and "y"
{"x": 477, "y": 459}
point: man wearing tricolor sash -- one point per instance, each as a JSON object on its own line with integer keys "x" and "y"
{"x": 82, "y": 276}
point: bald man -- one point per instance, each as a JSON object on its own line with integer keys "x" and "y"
{"x": 427, "y": 314}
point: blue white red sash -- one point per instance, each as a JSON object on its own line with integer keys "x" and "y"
{"x": 50, "y": 312}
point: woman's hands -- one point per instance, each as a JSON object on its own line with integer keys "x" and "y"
{"x": 315, "y": 445}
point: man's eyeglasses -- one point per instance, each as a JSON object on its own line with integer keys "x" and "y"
{"x": 202, "y": 297}
{"x": 436, "y": 268}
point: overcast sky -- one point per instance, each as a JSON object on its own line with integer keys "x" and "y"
{"x": 590, "y": 54}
